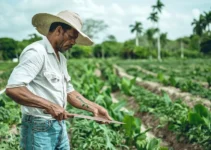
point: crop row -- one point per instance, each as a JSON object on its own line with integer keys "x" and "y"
{"x": 84, "y": 134}
{"x": 183, "y": 84}
{"x": 194, "y": 69}
{"x": 191, "y": 125}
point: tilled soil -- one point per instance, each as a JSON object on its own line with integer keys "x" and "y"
{"x": 173, "y": 92}
{"x": 204, "y": 84}
{"x": 169, "y": 139}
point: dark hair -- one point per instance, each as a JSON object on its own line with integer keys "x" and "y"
{"x": 54, "y": 25}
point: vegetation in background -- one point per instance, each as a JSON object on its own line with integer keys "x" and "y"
{"x": 196, "y": 45}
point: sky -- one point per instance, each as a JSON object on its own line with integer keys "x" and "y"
{"x": 176, "y": 17}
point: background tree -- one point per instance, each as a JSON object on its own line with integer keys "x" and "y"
{"x": 207, "y": 19}
{"x": 8, "y": 47}
{"x": 163, "y": 38}
{"x": 137, "y": 27}
{"x": 157, "y": 8}
{"x": 183, "y": 42}
{"x": 108, "y": 48}
{"x": 150, "y": 33}
{"x": 201, "y": 27}
{"x": 93, "y": 27}
{"x": 194, "y": 43}
{"x": 198, "y": 26}
{"x": 111, "y": 38}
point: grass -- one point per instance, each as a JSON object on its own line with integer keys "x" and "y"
{"x": 4, "y": 66}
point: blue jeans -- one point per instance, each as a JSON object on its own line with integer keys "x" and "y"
{"x": 41, "y": 134}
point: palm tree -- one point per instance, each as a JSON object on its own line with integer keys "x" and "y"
{"x": 180, "y": 40}
{"x": 150, "y": 36}
{"x": 159, "y": 5}
{"x": 197, "y": 29}
{"x": 138, "y": 29}
{"x": 207, "y": 19}
{"x": 183, "y": 41}
{"x": 157, "y": 8}
{"x": 199, "y": 26}
{"x": 153, "y": 17}
{"x": 163, "y": 38}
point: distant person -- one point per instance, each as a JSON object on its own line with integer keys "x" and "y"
{"x": 41, "y": 83}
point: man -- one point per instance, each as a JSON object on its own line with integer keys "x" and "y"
{"x": 41, "y": 84}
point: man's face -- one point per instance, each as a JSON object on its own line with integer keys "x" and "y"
{"x": 67, "y": 40}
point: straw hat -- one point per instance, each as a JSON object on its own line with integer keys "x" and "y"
{"x": 42, "y": 22}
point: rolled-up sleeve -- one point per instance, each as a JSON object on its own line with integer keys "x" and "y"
{"x": 29, "y": 66}
{"x": 70, "y": 87}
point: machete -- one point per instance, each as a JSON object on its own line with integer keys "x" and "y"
{"x": 93, "y": 118}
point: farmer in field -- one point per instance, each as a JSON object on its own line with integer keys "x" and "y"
{"x": 41, "y": 83}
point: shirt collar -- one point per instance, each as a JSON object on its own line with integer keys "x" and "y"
{"x": 48, "y": 45}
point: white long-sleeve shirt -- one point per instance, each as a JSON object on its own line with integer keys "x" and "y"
{"x": 43, "y": 74}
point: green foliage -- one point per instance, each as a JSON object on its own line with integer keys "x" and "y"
{"x": 132, "y": 129}
{"x": 154, "y": 144}
{"x": 4, "y": 77}
{"x": 206, "y": 45}
{"x": 126, "y": 86}
{"x": 187, "y": 75}
{"x": 111, "y": 48}
{"x": 209, "y": 81}
{"x": 97, "y": 51}
{"x": 81, "y": 51}
{"x": 8, "y": 47}
{"x": 192, "y": 54}
{"x": 12, "y": 143}
{"x": 127, "y": 49}
{"x": 9, "y": 110}
{"x": 195, "y": 118}
{"x": 192, "y": 124}
{"x": 9, "y": 117}
{"x": 92, "y": 135}
{"x": 194, "y": 42}
{"x": 109, "y": 75}
{"x": 141, "y": 52}
{"x": 131, "y": 123}
{"x": 107, "y": 49}
{"x": 12, "y": 49}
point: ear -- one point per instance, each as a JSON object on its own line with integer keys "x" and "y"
{"x": 59, "y": 31}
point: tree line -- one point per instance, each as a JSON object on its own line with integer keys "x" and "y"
{"x": 148, "y": 43}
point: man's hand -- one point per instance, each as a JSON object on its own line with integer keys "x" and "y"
{"x": 103, "y": 113}
{"x": 78, "y": 101}
{"x": 57, "y": 112}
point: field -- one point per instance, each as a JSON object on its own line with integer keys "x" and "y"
{"x": 164, "y": 105}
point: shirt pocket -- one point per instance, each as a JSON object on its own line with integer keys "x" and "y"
{"x": 53, "y": 80}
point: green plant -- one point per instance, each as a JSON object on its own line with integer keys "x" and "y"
{"x": 126, "y": 85}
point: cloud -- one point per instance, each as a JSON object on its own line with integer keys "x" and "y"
{"x": 139, "y": 10}
{"x": 196, "y": 13}
{"x": 116, "y": 9}
{"x": 15, "y": 16}
{"x": 166, "y": 14}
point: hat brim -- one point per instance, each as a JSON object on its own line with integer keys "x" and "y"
{"x": 42, "y": 22}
